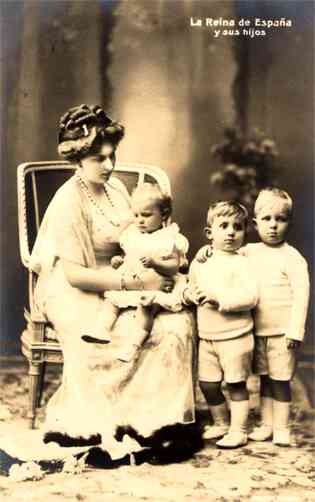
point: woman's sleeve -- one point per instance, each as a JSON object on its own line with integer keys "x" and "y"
{"x": 63, "y": 234}
{"x": 71, "y": 235}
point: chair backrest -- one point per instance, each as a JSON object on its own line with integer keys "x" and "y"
{"x": 37, "y": 183}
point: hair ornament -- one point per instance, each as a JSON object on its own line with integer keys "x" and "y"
{"x": 71, "y": 147}
{"x": 81, "y": 125}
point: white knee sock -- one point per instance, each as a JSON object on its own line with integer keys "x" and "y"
{"x": 220, "y": 414}
{"x": 266, "y": 404}
{"x": 281, "y": 415}
{"x": 239, "y": 416}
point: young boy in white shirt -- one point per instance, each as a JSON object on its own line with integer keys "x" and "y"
{"x": 280, "y": 315}
{"x": 224, "y": 290}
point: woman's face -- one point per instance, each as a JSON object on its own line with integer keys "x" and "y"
{"x": 98, "y": 167}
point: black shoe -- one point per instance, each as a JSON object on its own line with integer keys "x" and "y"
{"x": 69, "y": 441}
{"x": 92, "y": 339}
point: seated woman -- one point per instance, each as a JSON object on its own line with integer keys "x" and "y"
{"x": 77, "y": 239}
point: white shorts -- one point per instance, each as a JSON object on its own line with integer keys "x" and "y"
{"x": 273, "y": 358}
{"x": 230, "y": 360}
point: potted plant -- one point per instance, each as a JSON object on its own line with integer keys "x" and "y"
{"x": 248, "y": 165}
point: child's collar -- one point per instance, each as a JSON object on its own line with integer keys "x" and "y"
{"x": 278, "y": 246}
{"x": 220, "y": 252}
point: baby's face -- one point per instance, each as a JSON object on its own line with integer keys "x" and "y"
{"x": 272, "y": 224}
{"x": 227, "y": 233}
{"x": 147, "y": 215}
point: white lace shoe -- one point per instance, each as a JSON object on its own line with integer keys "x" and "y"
{"x": 281, "y": 437}
{"x": 261, "y": 433}
{"x": 215, "y": 431}
{"x": 233, "y": 439}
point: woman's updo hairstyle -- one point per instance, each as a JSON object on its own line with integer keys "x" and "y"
{"x": 83, "y": 129}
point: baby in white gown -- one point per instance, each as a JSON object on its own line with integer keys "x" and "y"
{"x": 149, "y": 242}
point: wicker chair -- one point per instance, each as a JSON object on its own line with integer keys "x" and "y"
{"x": 37, "y": 182}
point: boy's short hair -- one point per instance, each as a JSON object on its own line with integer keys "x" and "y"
{"x": 268, "y": 196}
{"x": 153, "y": 192}
{"x": 227, "y": 208}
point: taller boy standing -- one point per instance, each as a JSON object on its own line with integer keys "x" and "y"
{"x": 224, "y": 291}
{"x": 281, "y": 311}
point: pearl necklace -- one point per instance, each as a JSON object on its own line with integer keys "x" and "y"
{"x": 85, "y": 188}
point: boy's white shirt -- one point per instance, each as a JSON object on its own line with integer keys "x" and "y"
{"x": 284, "y": 288}
{"x": 228, "y": 279}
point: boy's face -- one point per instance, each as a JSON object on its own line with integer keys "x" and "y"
{"x": 227, "y": 233}
{"x": 147, "y": 214}
{"x": 272, "y": 224}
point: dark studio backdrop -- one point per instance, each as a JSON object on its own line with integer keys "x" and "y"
{"x": 173, "y": 86}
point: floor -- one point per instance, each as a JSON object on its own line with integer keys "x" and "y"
{"x": 189, "y": 471}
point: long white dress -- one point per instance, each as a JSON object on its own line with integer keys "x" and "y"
{"x": 98, "y": 392}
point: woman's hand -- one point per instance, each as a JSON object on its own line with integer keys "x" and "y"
{"x": 116, "y": 261}
{"x": 152, "y": 280}
{"x": 147, "y": 261}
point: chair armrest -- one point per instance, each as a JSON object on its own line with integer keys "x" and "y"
{"x": 34, "y": 317}
{"x": 36, "y": 321}
{"x": 32, "y": 279}
{"x": 36, "y": 324}
{"x": 34, "y": 314}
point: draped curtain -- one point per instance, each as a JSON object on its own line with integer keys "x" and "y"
{"x": 51, "y": 59}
